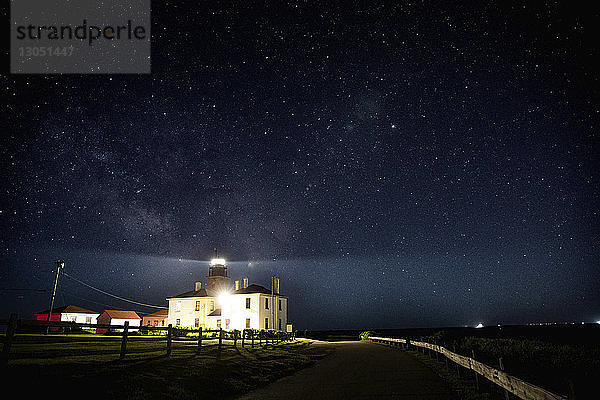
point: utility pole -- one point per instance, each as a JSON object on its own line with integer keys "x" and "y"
{"x": 59, "y": 265}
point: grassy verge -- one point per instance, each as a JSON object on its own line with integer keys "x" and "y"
{"x": 463, "y": 384}
{"x": 72, "y": 368}
{"x": 559, "y": 367}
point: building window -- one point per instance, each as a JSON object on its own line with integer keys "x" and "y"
{"x": 266, "y": 304}
{"x": 155, "y": 322}
{"x": 279, "y": 304}
{"x": 219, "y": 323}
{"x": 248, "y": 302}
{"x": 279, "y": 323}
{"x": 88, "y": 320}
{"x": 212, "y": 306}
{"x": 266, "y": 323}
{"x": 163, "y": 322}
{"x": 197, "y": 322}
{"x": 247, "y": 323}
{"x": 149, "y": 323}
{"x": 197, "y": 306}
{"x": 177, "y": 322}
{"x": 178, "y": 306}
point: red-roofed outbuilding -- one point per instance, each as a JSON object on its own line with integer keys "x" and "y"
{"x": 118, "y": 317}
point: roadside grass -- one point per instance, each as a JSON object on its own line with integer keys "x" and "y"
{"x": 464, "y": 385}
{"x": 63, "y": 368}
{"x": 560, "y": 367}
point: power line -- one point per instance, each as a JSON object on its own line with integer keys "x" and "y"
{"x": 109, "y": 306}
{"x": 112, "y": 295}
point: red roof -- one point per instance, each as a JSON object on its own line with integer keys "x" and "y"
{"x": 118, "y": 314}
{"x": 158, "y": 314}
{"x": 69, "y": 309}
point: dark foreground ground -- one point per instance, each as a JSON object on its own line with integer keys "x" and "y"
{"x": 358, "y": 370}
{"x": 88, "y": 367}
{"x": 562, "y": 358}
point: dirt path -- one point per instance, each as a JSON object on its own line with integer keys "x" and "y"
{"x": 358, "y": 370}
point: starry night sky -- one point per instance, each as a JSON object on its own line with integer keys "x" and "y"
{"x": 396, "y": 165}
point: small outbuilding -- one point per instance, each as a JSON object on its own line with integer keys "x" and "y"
{"x": 69, "y": 313}
{"x": 118, "y": 317}
{"x": 158, "y": 318}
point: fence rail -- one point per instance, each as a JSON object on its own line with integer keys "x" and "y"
{"x": 248, "y": 337}
{"x": 516, "y": 386}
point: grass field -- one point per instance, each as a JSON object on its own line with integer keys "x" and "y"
{"x": 71, "y": 366}
{"x": 564, "y": 368}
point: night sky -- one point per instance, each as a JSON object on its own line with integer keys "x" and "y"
{"x": 395, "y": 164}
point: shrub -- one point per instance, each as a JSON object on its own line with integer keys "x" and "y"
{"x": 365, "y": 335}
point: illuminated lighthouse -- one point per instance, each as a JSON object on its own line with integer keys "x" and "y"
{"x": 218, "y": 281}
{"x": 221, "y": 305}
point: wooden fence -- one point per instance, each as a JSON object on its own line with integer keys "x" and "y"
{"x": 509, "y": 383}
{"x": 247, "y": 337}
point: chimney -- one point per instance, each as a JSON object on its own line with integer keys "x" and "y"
{"x": 245, "y": 283}
{"x": 197, "y": 286}
{"x": 237, "y": 285}
{"x": 276, "y": 285}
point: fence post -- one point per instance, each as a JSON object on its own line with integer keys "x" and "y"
{"x": 571, "y": 390}
{"x": 235, "y": 337}
{"x": 474, "y": 372}
{"x": 124, "y": 340}
{"x": 243, "y": 338}
{"x": 199, "y": 339}
{"x": 169, "y": 338}
{"x": 10, "y": 336}
{"x": 252, "y": 335}
{"x": 220, "y": 339}
{"x": 446, "y": 357}
{"x": 502, "y": 369}
{"x": 457, "y": 366}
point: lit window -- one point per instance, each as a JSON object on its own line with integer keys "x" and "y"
{"x": 218, "y": 323}
{"x": 177, "y": 322}
{"x": 212, "y": 306}
{"x": 197, "y": 306}
{"x": 247, "y": 323}
{"x": 197, "y": 322}
{"x": 248, "y": 302}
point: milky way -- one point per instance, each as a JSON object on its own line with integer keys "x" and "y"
{"x": 395, "y": 164}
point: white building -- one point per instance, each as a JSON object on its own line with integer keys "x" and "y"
{"x": 221, "y": 306}
{"x": 69, "y": 313}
